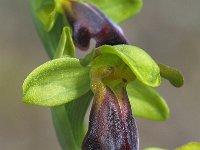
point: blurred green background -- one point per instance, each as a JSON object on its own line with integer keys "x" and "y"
{"x": 169, "y": 30}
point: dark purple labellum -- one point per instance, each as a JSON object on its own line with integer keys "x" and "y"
{"x": 88, "y": 22}
{"x": 111, "y": 124}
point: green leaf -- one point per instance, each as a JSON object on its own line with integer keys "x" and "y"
{"x": 190, "y": 146}
{"x": 153, "y": 148}
{"x": 171, "y": 74}
{"x": 66, "y": 45}
{"x": 47, "y": 13}
{"x": 68, "y": 122}
{"x": 118, "y": 10}
{"x": 142, "y": 65}
{"x": 49, "y": 39}
{"x": 146, "y": 102}
{"x": 56, "y": 82}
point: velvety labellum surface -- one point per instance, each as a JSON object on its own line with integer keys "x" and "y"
{"x": 111, "y": 123}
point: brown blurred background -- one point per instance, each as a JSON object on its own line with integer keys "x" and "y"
{"x": 169, "y": 30}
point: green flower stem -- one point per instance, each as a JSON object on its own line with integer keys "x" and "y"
{"x": 68, "y": 123}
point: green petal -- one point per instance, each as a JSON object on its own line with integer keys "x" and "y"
{"x": 171, "y": 74}
{"x": 190, "y": 146}
{"x": 66, "y": 45}
{"x": 68, "y": 120}
{"x": 142, "y": 65}
{"x": 118, "y": 10}
{"x": 56, "y": 82}
{"x": 146, "y": 102}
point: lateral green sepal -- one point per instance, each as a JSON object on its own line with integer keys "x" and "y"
{"x": 146, "y": 102}
{"x": 56, "y": 82}
{"x": 190, "y": 146}
{"x": 153, "y": 148}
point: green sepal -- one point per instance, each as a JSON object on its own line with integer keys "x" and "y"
{"x": 68, "y": 120}
{"x": 49, "y": 39}
{"x": 65, "y": 45}
{"x": 142, "y": 65}
{"x": 153, "y": 148}
{"x": 190, "y": 146}
{"x": 146, "y": 102}
{"x": 172, "y": 75}
{"x": 118, "y": 10}
{"x": 56, "y": 82}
